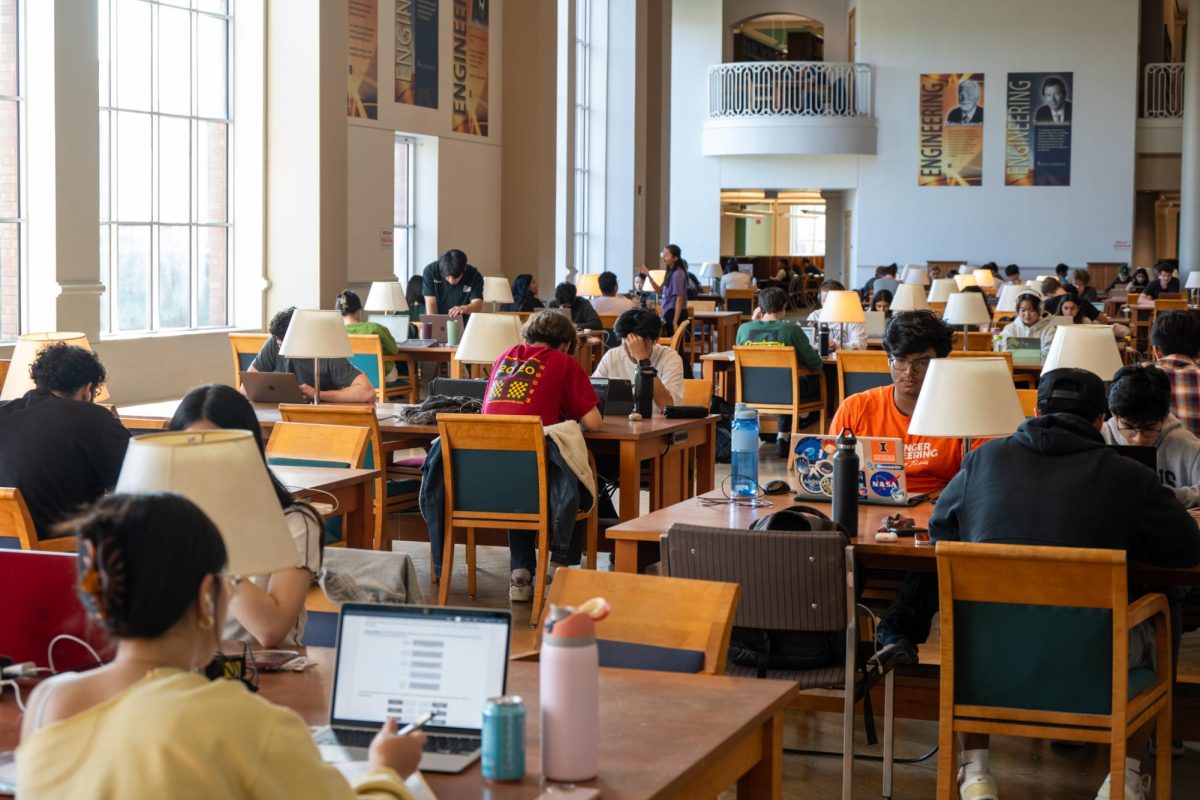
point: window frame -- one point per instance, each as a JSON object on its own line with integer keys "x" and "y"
{"x": 409, "y": 225}
{"x": 21, "y": 219}
{"x": 581, "y": 228}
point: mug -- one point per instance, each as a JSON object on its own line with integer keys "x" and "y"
{"x": 426, "y": 330}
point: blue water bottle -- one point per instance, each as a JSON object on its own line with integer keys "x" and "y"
{"x": 744, "y": 450}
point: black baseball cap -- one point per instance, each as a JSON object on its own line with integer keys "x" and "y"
{"x": 1072, "y": 390}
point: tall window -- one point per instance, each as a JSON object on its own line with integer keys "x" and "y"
{"x": 807, "y": 230}
{"x": 11, "y": 205}
{"x": 165, "y": 68}
{"x": 404, "y": 223}
{"x": 583, "y": 14}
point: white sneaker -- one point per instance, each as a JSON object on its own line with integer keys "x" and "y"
{"x": 1137, "y": 787}
{"x": 520, "y": 586}
{"x": 979, "y": 785}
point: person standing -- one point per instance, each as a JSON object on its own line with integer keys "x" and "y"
{"x": 452, "y": 286}
{"x": 674, "y": 288}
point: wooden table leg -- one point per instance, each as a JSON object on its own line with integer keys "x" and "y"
{"x": 456, "y": 368}
{"x": 360, "y": 516}
{"x": 765, "y": 779}
{"x": 631, "y": 482}
{"x": 625, "y": 555}
{"x": 706, "y": 461}
{"x": 672, "y": 476}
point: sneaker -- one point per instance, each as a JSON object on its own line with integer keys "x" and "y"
{"x": 1177, "y": 748}
{"x": 979, "y": 785}
{"x": 904, "y": 652}
{"x": 520, "y": 586}
{"x": 1137, "y": 787}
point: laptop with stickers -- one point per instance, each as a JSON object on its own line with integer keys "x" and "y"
{"x": 881, "y": 478}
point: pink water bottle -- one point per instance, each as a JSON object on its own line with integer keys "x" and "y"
{"x": 570, "y": 693}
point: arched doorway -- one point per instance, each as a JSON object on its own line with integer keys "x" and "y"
{"x": 778, "y": 37}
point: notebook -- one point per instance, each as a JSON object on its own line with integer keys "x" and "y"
{"x": 881, "y": 478}
{"x": 405, "y": 661}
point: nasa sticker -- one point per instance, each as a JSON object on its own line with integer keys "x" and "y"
{"x": 883, "y": 484}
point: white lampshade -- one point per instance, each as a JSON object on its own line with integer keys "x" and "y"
{"x": 316, "y": 334}
{"x": 386, "y": 296}
{"x": 967, "y": 398}
{"x": 966, "y": 308}
{"x": 910, "y": 297}
{"x": 18, "y": 382}
{"x": 916, "y": 275}
{"x": 710, "y": 269}
{"x": 496, "y": 289}
{"x": 658, "y": 276}
{"x": 963, "y": 281}
{"x": 1090, "y": 347}
{"x": 487, "y": 337}
{"x": 984, "y": 278}
{"x": 588, "y": 284}
{"x": 842, "y": 307}
{"x": 942, "y": 288}
{"x": 1009, "y": 293}
{"x": 1193, "y": 280}
{"x": 1035, "y": 286}
{"x": 223, "y": 472}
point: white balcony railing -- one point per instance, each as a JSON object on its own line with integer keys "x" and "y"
{"x": 1162, "y": 91}
{"x": 789, "y": 89}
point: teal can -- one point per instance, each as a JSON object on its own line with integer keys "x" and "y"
{"x": 504, "y": 739}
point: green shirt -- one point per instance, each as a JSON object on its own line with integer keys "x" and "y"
{"x": 368, "y": 328}
{"x": 782, "y": 334}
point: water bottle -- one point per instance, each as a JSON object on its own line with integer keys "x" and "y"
{"x": 823, "y": 339}
{"x": 569, "y": 690}
{"x": 744, "y": 450}
{"x": 997, "y": 341}
{"x": 845, "y": 483}
{"x": 643, "y": 388}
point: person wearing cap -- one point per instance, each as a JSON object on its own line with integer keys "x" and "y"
{"x": 978, "y": 505}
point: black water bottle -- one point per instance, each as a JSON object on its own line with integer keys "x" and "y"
{"x": 845, "y": 483}
{"x": 823, "y": 339}
{"x": 643, "y": 388}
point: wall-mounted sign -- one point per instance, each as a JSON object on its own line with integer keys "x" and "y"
{"x": 1037, "y": 138}
{"x": 950, "y": 143}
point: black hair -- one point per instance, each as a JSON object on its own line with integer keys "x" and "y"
{"x": 1140, "y": 394}
{"x": 891, "y": 269}
{"x": 638, "y": 322}
{"x": 1164, "y": 266}
{"x": 912, "y": 332}
{"x": 678, "y": 263}
{"x": 452, "y": 264}
{"x": 66, "y": 368}
{"x": 1078, "y": 317}
{"x": 565, "y": 293}
{"x": 149, "y": 553}
{"x": 831, "y": 286}
{"x": 1012, "y": 269}
{"x": 729, "y": 266}
{"x": 1142, "y": 273}
{"x": 1061, "y": 269}
{"x": 1033, "y": 298}
{"x": 883, "y": 294}
{"x": 414, "y": 293}
{"x": 772, "y": 300}
{"x": 552, "y": 329}
{"x": 348, "y": 303}
{"x": 1176, "y": 333}
{"x": 280, "y": 322}
{"x": 1054, "y": 80}
{"x": 607, "y": 282}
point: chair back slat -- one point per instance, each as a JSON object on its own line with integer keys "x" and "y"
{"x": 860, "y": 370}
{"x": 494, "y": 463}
{"x": 15, "y": 522}
{"x": 368, "y": 358}
{"x": 306, "y": 444}
{"x": 245, "y": 347}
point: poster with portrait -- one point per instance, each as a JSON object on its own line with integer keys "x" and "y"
{"x": 417, "y": 52}
{"x": 950, "y": 144}
{"x": 1037, "y": 137}
{"x": 362, "y": 79}
{"x": 469, "y": 66}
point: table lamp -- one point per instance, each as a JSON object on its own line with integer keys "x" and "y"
{"x": 966, "y": 309}
{"x": 910, "y": 297}
{"x": 712, "y": 270}
{"x": 386, "y": 296}
{"x": 18, "y": 382}
{"x": 1009, "y": 292}
{"x": 222, "y": 472}
{"x": 916, "y": 275}
{"x": 962, "y": 280}
{"x": 587, "y": 284}
{"x": 967, "y": 398}
{"x": 842, "y": 307}
{"x": 942, "y": 288}
{"x": 1090, "y": 347}
{"x": 316, "y": 334}
{"x": 497, "y": 291}
{"x": 487, "y": 337}
{"x": 984, "y": 279}
{"x": 1193, "y": 283}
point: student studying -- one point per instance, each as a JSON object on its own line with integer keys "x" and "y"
{"x": 340, "y": 381}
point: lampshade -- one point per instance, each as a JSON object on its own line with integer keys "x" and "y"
{"x": 842, "y": 307}
{"x": 588, "y": 284}
{"x": 1009, "y": 293}
{"x": 223, "y": 472}
{"x": 316, "y": 334}
{"x": 984, "y": 278}
{"x": 487, "y": 336}
{"x": 496, "y": 289}
{"x": 910, "y": 297}
{"x": 967, "y": 398}
{"x": 386, "y": 296}
{"x": 1090, "y": 347}
{"x": 1193, "y": 281}
{"x": 658, "y": 276}
{"x": 916, "y": 275}
{"x": 18, "y": 382}
{"x": 942, "y": 288}
{"x": 710, "y": 269}
{"x": 966, "y": 308}
{"x": 963, "y": 281}
{"x": 1034, "y": 285}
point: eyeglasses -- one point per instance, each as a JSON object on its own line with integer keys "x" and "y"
{"x": 917, "y": 366}
{"x": 1129, "y": 430}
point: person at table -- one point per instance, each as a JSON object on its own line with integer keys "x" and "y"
{"x": 56, "y": 446}
{"x": 784, "y": 273}
{"x": 584, "y": 316}
{"x": 1121, "y": 281}
{"x": 1055, "y": 295}
{"x": 770, "y": 328}
{"x": 674, "y": 289}
{"x": 882, "y": 303}
{"x": 1140, "y": 401}
{"x": 268, "y": 609}
{"x": 1031, "y": 322}
{"x": 609, "y": 302}
{"x": 1164, "y": 283}
{"x": 355, "y": 318}
{"x": 541, "y": 378}
{"x": 1140, "y": 282}
{"x": 935, "y": 272}
{"x": 734, "y": 278}
{"x": 1012, "y": 274}
{"x": 415, "y": 299}
{"x": 150, "y": 724}
{"x": 842, "y": 335}
{"x": 1081, "y": 279}
{"x": 912, "y": 339}
{"x": 452, "y": 286}
{"x": 1060, "y": 274}
{"x": 978, "y": 505}
{"x": 807, "y": 267}
{"x": 341, "y": 381}
{"x": 524, "y": 292}
{"x": 638, "y": 330}
{"x": 1175, "y": 338}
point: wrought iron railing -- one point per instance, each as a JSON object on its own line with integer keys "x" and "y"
{"x": 789, "y": 89}
{"x": 1162, "y": 91}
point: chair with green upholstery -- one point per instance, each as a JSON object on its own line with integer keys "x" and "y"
{"x": 368, "y": 359}
{"x": 1035, "y": 643}
{"x": 245, "y": 347}
{"x": 768, "y": 379}
{"x": 296, "y": 444}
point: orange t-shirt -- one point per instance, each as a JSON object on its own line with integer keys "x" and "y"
{"x": 929, "y": 463}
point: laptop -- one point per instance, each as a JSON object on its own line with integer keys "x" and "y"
{"x": 41, "y": 601}
{"x": 397, "y": 325}
{"x": 1024, "y": 347}
{"x": 405, "y": 661}
{"x": 1059, "y": 320}
{"x": 881, "y": 478}
{"x": 438, "y": 322}
{"x": 272, "y": 387}
{"x": 876, "y": 321}
{"x": 615, "y": 395}
{"x": 1146, "y": 456}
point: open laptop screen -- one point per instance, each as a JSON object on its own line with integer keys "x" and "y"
{"x": 403, "y": 661}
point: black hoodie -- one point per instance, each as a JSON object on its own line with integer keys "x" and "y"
{"x": 1054, "y": 482}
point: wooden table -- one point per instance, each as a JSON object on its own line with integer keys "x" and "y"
{"x": 726, "y": 323}
{"x": 351, "y": 491}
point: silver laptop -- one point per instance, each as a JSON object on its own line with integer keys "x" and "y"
{"x": 397, "y": 324}
{"x": 875, "y": 322}
{"x": 438, "y": 321}
{"x": 271, "y": 387}
{"x": 406, "y": 661}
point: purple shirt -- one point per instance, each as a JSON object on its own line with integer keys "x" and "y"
{"x": 676, "y": 286}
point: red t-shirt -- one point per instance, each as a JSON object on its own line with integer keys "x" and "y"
{"x": 535, "y": 379}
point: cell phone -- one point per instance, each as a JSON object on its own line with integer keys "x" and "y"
{"x": 922, "y": 539}
{"x": 416, "y": 724}
{"x": 909, "y": 531}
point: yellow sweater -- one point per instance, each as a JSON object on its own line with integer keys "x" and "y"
{"x": 176, "y": 734}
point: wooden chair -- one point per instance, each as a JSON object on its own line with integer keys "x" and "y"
{"x": 742, "y": 300}
{"x": 768, "y": 379}
{"x": 676, "y": 339}
{"x": 1028, "y": 398}
{"x": 697, "y": 391}
{"x": 368, "y": 359}
{"x": 607, "y": 321}
{"x": 674, "y": 613}
{"x": 301, "y": 444}
{"x": 701, "y": 306}
{"x": 860, "y": 370}
{"x": 938, "y": 309}
{"x": 15, "y": 521}
{"x": 1035, "y": 643}
{"x": 976, "y": 340}
{"x": 1161, "y": 306}
{"x": 4, "y": 365}
{"x": 245, "y": 347}
{"x": 499, "y": 459}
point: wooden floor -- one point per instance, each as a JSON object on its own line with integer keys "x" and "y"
{"x": 1024, "y": 768}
